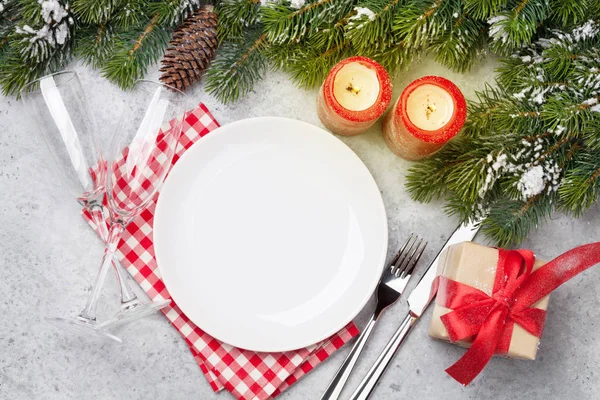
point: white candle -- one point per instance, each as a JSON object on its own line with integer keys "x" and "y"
{"x": 430, "y": 111}
{"x": 429, "y": 107}
{"x": 354, "y": 95}
{"x": 356, "y": 86}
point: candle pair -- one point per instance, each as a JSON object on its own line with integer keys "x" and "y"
{"x": 429, "y": 112}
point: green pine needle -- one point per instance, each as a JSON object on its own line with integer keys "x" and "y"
{"x": 136, "y": 50}
{"x": 235, "y": 16}
{"x": 93, "y": 11}
{"x": 237, "y": 68}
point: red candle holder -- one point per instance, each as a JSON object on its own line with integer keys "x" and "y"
{"x": 410, "y": 142}
{"x": 343, "y": 121}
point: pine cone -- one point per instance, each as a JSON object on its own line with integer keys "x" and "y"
{"x": 191, "y": 49}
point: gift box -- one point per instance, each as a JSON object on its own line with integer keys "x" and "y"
{"x": 478, "y": 267}
{"x": 494, "y": 301}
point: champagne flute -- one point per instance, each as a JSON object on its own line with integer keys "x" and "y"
{"x": 140, "y": 156}
{"x": 68, "y": 132}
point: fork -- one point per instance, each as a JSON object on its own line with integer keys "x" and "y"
{"x": 391, "y": 285}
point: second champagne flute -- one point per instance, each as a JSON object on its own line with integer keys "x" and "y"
{"x": 139, "y": 158}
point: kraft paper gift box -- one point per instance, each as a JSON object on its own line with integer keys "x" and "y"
{"x": 475, "y": 265}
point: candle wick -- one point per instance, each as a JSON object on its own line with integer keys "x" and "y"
{"x": 351, "y": 88}
{"x": 429, "y": 110}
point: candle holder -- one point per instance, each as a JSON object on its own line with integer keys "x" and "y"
{"x": 354, "y": 95}
{"x": 429, "y": 112}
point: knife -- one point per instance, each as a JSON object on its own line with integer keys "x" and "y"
{"x": 418, "y": 301}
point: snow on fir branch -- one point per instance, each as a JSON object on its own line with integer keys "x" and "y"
{"x": 51, "y": 31}
{"x": 120, "y": 37}
{"x": 456, "y": 32}
{"x": 531, "y": 146}
{"x": 303, "y": 37}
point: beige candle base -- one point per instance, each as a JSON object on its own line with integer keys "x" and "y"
{"x": 336, "y": 123}
{"x": 402, "y": 143}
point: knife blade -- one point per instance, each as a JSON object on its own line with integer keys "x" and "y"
{"x": 424, "y": 292}
{"x": 418, "y": 301}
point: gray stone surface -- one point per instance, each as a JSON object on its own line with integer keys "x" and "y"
{"x": 48, "y": 257}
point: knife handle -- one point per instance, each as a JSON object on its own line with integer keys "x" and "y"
{"x": 367, "y": 385}
{"x": 335, "y": 387}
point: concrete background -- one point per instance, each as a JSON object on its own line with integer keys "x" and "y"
{"x": 48, "y": 258}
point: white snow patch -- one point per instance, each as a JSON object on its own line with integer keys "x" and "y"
{"x": 62, "y": 33}
{"x": 53, "y": 10}
{"x": 586, "y": 31}
{"x": 267, "y": 2}
{"x": 532, "y": 182}
{"x": 521, "y": 95}
{"x": 363, "y": 11}
{"x": 497, "y": 30}
{"x": 297, "y": 4}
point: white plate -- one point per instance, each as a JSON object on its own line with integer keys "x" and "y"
{"x": 270, "y": 234}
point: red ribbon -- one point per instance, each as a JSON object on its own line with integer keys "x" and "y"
{"x": 516, "y": 288}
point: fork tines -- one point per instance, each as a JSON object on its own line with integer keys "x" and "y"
{"x": 408, "y": 256}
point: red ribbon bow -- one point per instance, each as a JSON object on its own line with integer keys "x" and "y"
{"x": 516, "y": 289}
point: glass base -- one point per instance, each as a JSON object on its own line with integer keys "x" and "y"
{"x": 83, "y": 327}
{"x": 134, "y": 311}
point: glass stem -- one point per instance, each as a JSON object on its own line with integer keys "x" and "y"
{"x": 114, "y": 235}
{"x": 127, "y": 294}
{"x": 96, "y": 211}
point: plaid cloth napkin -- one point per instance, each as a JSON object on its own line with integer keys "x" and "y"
{"x": 246, "y": 374}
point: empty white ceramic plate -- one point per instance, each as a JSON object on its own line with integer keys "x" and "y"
{"x": 270, "y": 234}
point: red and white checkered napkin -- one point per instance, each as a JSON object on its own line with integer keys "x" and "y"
{"x": 246, "y": 374}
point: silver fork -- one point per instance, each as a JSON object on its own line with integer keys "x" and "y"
{"x": 390, "y": 288}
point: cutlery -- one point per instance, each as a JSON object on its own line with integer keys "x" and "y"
{"x": 418, "y": 301}
{"x": 390, "y": 288}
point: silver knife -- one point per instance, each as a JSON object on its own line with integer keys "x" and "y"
{"x": 418, "y": 301}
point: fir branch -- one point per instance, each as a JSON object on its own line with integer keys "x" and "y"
{"x": 530, "y": 145}
{"x": 581, "y": 186}
{"x": 514, "y": 28}
{"x": 135, "y": 52}
{"x": 15, "y": 72}
{"x": 43, "y": 31}
{"x": 129, "y": 13}
{"x": 459, "y": 47}
{"x": 393, "y": 57}
{"x": 96, "y": 44}
{"x": 284, "y": 24}
{"x": 484, "y": 9}
{"x": 93, "y": 11}
{"x": 569, "y": 12}
{"x": 237, "y": 68}
{"x": 373, "y": 32}
{"x": 330, "y": 34}
{"x": 235, "y": 16}
{"x": 419, "y": 21}
{"x": 509, "y": 222}
{"x": 9, "y": 18}
{"x": 426, "y": 180}
{"x": 39, "y": 41}
{"x": 172, "y": 12}
{"x": 30, "y": 11}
